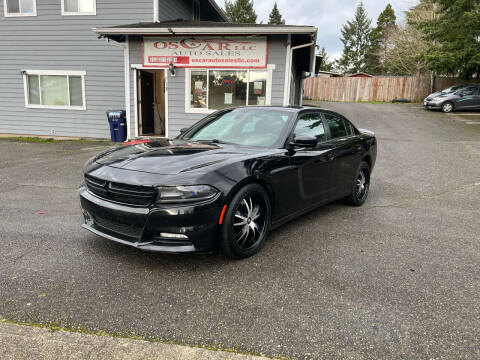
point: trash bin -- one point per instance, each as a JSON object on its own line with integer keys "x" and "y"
{"x": 117, "y": 119}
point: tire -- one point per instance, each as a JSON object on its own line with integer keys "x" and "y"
{"x": 245, "y": 226}
{"x": 447, "y": 107}
{"x": 361, "y": 186}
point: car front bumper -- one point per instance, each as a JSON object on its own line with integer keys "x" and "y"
{"x": 431, "y": 105}
{"x": 172, "y": 229}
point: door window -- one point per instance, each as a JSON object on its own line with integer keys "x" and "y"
{"x": 337, "y": 126}
{"x": 311, "y": 125}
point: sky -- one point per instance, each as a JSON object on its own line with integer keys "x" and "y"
{"x": 327, "y": 15}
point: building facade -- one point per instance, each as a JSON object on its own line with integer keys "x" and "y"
{"x": 63, "y": 63}
{"x": 56, "y": 76}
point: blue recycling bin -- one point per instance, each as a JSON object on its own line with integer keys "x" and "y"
{"x": 117, "y": 119}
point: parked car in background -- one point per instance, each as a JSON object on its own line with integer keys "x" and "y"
{"x": 227, "y": 180}
{"x": 458, "y": 97}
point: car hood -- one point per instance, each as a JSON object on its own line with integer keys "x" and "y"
{"x": 171, "y": 157}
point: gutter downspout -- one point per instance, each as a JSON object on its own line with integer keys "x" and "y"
{"x": 156, "y": 14}
{"x": 289, "y": 68}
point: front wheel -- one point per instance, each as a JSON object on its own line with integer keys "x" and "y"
{"x": 447, "y": 107}
{"x": 246, "y": 222}
{"x": 360, "y": 186}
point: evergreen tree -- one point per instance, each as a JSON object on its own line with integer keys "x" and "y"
{"x": 275, "y": 16}
{"x": 240, "y": 11}
{"x": 454, "y": 38}
{"x": 355, "y": 39}
{"x": 378, "y": 38}
{"x": 326, "y": 64}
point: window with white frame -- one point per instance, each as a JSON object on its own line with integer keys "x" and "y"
{"x": 209, "y": 90}
{"x": 79, "y": 7}
{"x": 55, "y": 89}
{"x": 20, "y": 7}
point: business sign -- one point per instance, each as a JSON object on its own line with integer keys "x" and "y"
{"x": 237, "y": 52}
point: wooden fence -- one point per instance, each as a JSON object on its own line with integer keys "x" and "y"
{"x": 413, "y": 88}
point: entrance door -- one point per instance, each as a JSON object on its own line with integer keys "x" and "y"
{"x": 151, "y": 102}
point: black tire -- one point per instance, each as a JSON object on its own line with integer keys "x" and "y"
{"x": 360, "y": 187}
{"x": 447, "y": 107}
{"x": 246, "y": 222}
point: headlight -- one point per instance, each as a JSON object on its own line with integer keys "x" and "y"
{"x": 437, "y": 99}
{"x": 183, "y": 194}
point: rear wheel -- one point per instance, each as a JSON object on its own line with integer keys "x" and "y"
{"x": 245, "y": 226}
{"x": 360, "y": 187}
{"x": 447, "y": 107}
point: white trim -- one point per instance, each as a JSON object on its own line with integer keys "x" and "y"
{"x": 286, "y": 83}
{"x": 208, "y": 30}
{"x": 135, "y": 100}
{"x": 165, "y": 78}
{"x": 72, "y": 13}
{"x": 20, "y": 14}
{"x": 67, "y": 74}
{"x": 54, "y": 72}
{"x": 156, "y": 15}
{"x": 126, "y": 73}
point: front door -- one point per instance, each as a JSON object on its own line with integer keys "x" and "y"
{"x": 468, "y": 98}
{"x": 314, "y": 165}
{"x": 151, "y": 97}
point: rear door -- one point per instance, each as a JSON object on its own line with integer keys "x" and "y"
{"x": 314, "y": 165}
{"x": 347, "y": 151}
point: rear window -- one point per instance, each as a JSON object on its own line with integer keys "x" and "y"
{"x": 338, "y": 127}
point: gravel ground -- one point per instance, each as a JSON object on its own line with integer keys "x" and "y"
{"x": 398, "y": 278}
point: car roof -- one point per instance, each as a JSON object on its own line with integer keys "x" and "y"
{"x": 291, "y": 108}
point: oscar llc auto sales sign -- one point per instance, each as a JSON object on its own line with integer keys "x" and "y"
{"x": 232, "y": 52}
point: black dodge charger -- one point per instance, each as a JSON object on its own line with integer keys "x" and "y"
{"x": 223, "y": 183}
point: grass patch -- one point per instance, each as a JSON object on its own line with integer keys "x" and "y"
{"x": 128, "y": 335}
{"x": 32, "y": 139}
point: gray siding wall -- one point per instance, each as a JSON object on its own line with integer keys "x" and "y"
{"x": 177, "y": 118}
{"x": 50, "y": 41}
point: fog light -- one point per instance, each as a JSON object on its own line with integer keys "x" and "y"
{"x": 172, "y": 236}
{"x": 86, "y": 216}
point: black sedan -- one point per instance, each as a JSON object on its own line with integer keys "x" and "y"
{"x": 226, "y": 181}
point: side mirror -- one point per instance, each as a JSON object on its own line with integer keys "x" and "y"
{"x": 182, "y": 130}
{"x": 304, "y": 141}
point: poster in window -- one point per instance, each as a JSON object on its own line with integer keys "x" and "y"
{"x": 228, "y": 98}
{"x": 261, "y": 100}
{"x": 257, "y": 88}
{"x": 198, "y": 87}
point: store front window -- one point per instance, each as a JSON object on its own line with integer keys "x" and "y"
{"x": 211, "y": 90}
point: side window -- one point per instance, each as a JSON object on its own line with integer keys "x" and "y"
{"x": 337, "y": 126}
{"x": 311, "y": 125}
{"x": 470, "y": 90}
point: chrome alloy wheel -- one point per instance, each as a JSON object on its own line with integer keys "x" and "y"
{"x": 447, "y": 107}
{"x": 362, "y": 185}
{"x": 249, "y": 221}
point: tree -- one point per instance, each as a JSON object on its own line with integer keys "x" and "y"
{"x": 275, "y": 16}
{"x": 454, "y": 38}
{"x": 355, "y": 39}
{"x": 240, "y": 11}
{"x": 405, "y": 45}
{"x": 376, "y": 53}
{"x": 326, "y": 64}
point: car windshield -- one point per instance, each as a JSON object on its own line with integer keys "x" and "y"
{"x": 245, "y": 126}
{"x": 452, "y": 89}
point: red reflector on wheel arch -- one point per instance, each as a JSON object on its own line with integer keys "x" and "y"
{"x": 222, "y": 214}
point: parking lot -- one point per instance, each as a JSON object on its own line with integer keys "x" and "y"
{"x": 398, "y": 278}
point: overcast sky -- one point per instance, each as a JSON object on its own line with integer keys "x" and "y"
{"x": 327, "y": 15}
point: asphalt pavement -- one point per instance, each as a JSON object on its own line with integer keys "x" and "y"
{"x": 397, "y": 278}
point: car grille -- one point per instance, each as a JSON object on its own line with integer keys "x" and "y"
{"x": 122, "y": 193}
{"x": 123, "y": 229}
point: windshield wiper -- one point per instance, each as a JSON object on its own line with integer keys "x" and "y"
{"x": 215, "y": 141}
